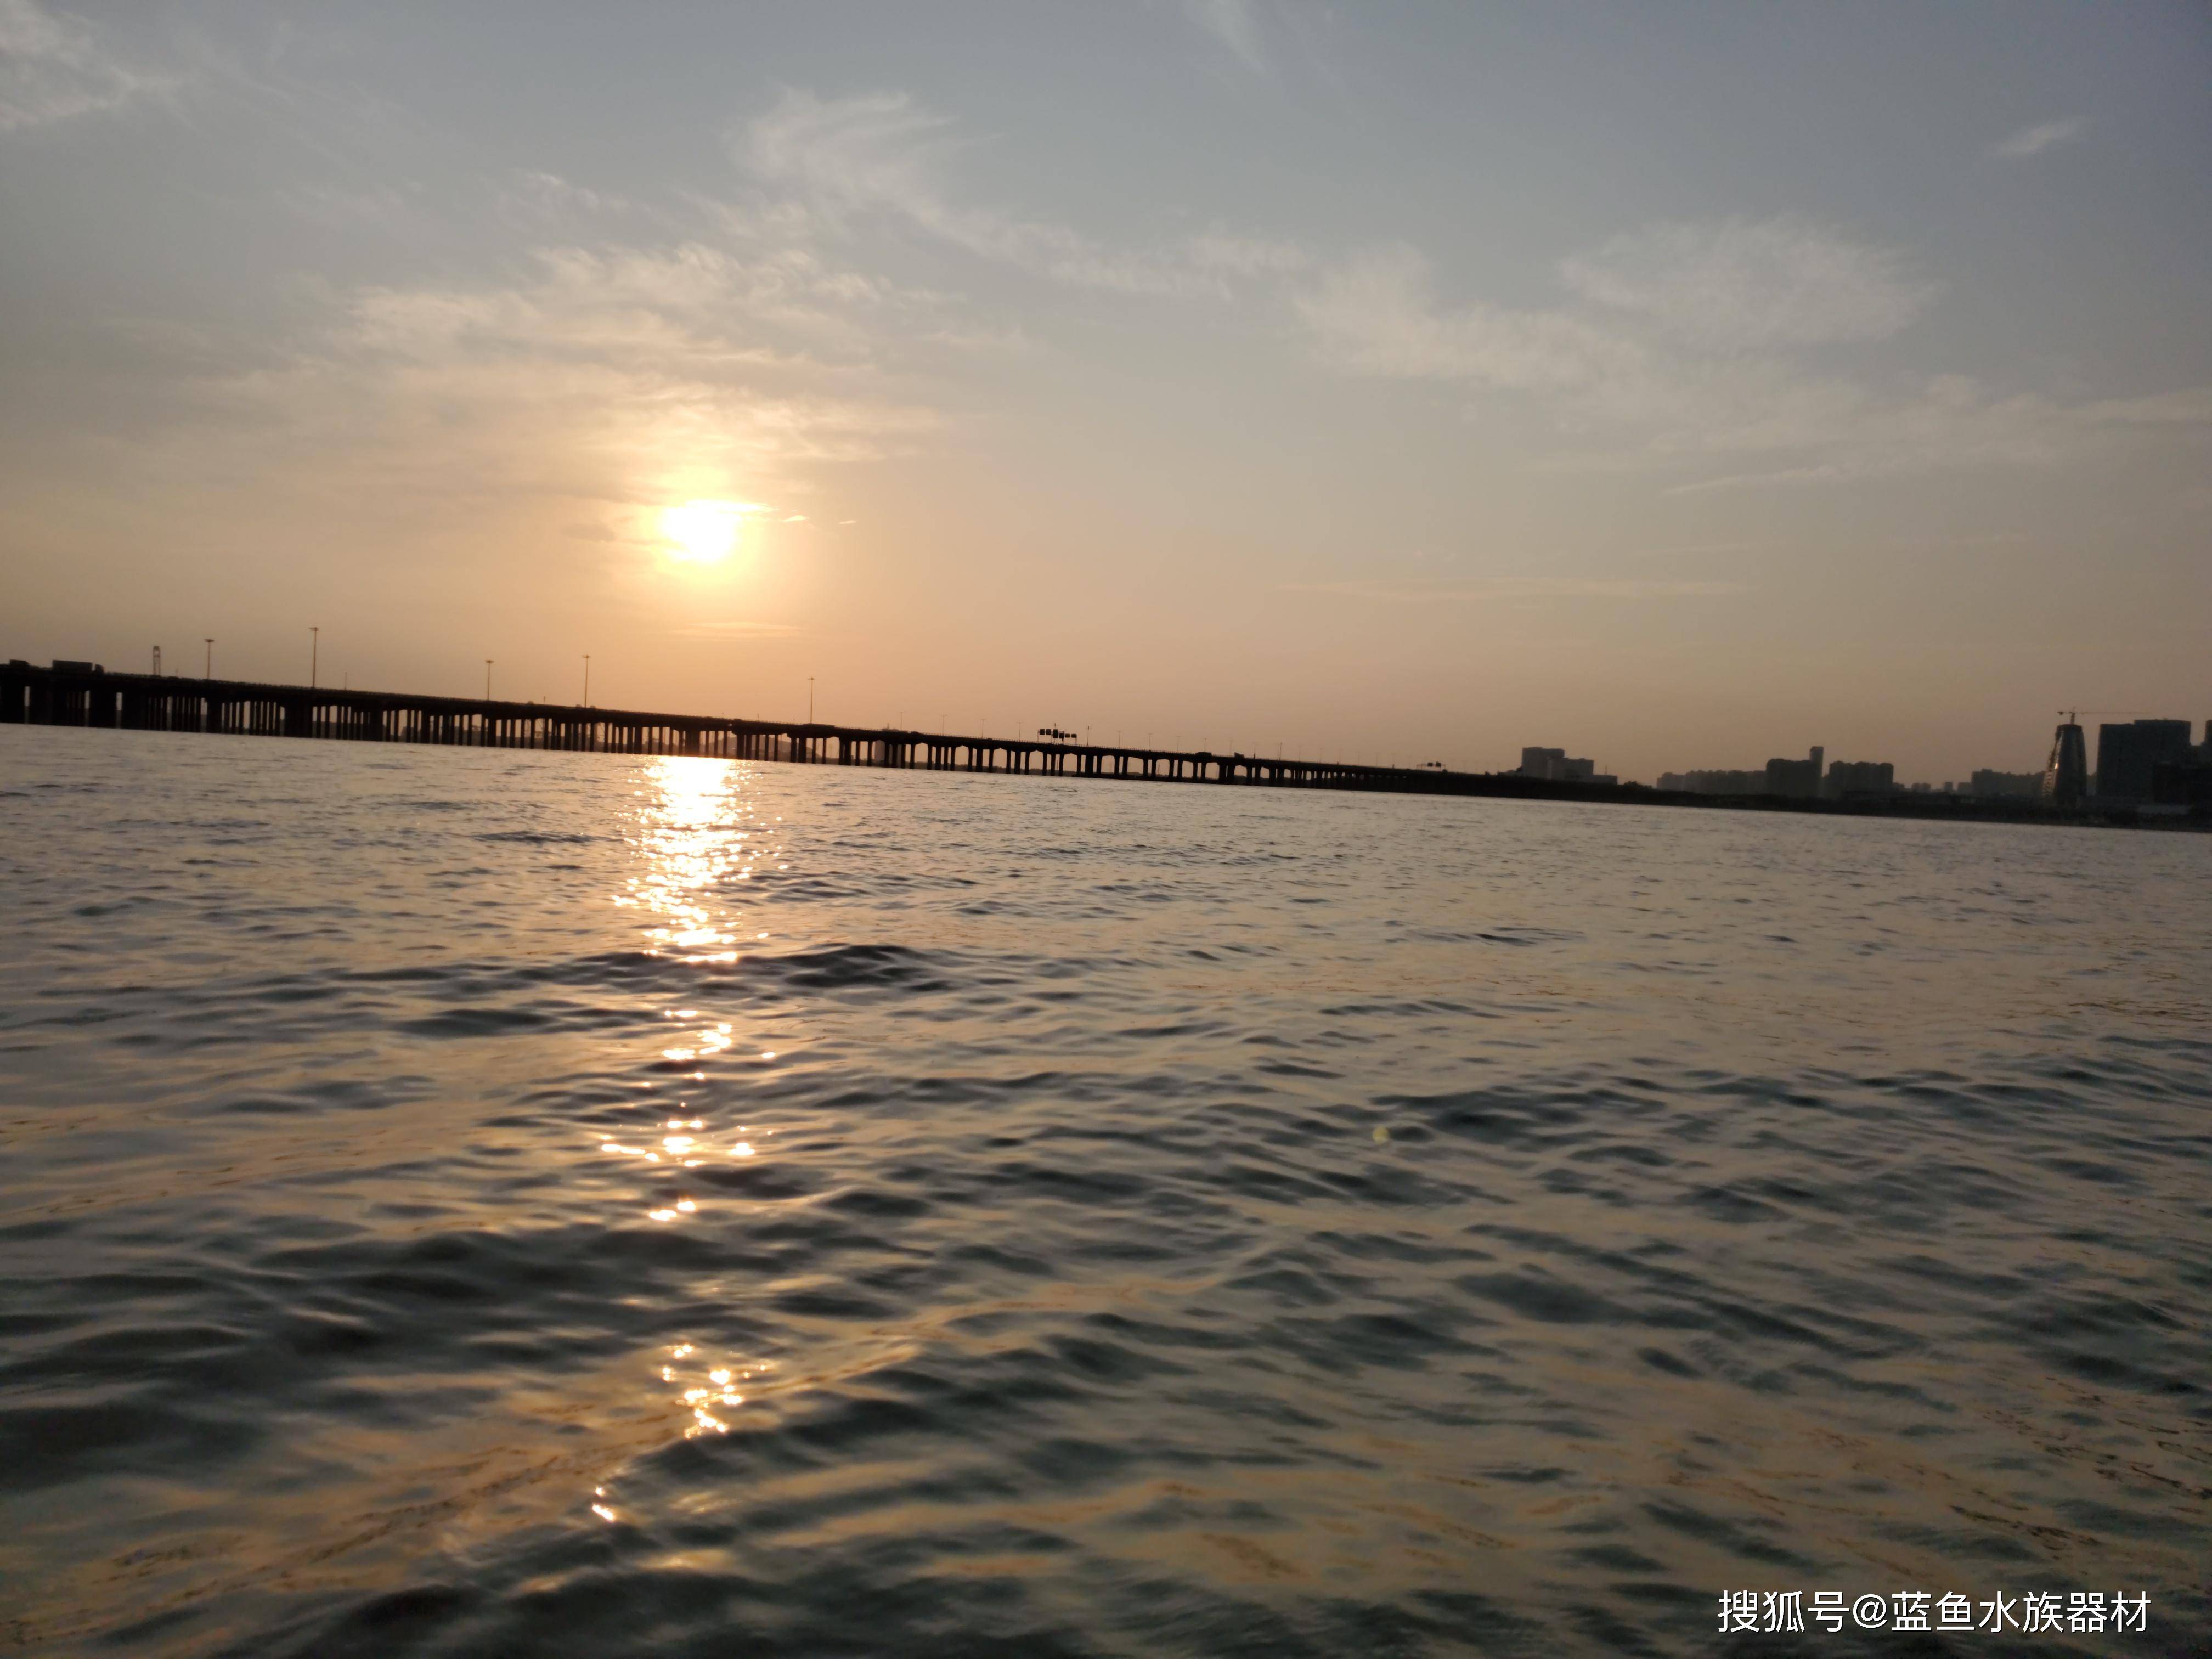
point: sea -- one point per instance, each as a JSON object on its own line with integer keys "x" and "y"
{"x": 489, "y": 1202}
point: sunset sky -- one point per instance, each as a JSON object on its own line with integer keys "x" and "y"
{"x": 1678, "y": 385}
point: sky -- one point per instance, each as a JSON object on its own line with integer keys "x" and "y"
{"x": 1679, "y": 386}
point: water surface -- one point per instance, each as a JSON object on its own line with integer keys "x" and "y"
{"x": 462, "y": 1202}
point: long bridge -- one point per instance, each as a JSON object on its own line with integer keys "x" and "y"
{"x": 84, "y": 694}
{"x": 87, "y": 694}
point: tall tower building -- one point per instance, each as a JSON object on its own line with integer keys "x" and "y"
{"x": 2126, "y": 755}
{"x": 2066, "y": 778}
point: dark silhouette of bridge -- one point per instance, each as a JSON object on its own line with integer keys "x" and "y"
{"x": 82, "y": 693}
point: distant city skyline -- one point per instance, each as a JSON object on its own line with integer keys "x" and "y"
{"x": 1393, "y": 384}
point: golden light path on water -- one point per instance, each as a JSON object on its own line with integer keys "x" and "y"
{"x": 699, "y": 831}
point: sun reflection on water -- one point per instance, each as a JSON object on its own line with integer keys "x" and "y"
{"x": 698, "y": 830}
{"x": 700, "y": 833}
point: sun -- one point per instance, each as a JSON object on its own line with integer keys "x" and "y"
{"x": 702, "y": 533}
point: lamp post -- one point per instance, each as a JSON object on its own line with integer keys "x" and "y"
{"x": 587, "y": 679}
{"x": 809, "y": 699}
{"x": 314, "y": 655}
{"x": 487, "y": 679}
{"x": 207, "y": 669}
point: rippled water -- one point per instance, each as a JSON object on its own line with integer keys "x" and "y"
{"x": 460, "y": 1202}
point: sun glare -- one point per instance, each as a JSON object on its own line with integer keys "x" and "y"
{"x": 702, "y": 533}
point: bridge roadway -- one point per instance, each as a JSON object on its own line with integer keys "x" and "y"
{"x": 79, "y": 695}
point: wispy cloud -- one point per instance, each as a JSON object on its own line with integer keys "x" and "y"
{"x": 2033, "y": 141}
{"x": 1953, "y": 420}
{"x": 1235, "y": 25}
{"x": 1376, "y": 315}
{"x": 839, "y": 160}
{"x": 1675, "y": 340}
{"x": 538, "y": 199}
{"x": 638, "y": 353}
{"x": 1245, "y": 256}
{"x": 53, "y": 67}
{"x": 590, "y": 386}
{"x": 1754, "y": 283}
{"x": 1687, "y": 345}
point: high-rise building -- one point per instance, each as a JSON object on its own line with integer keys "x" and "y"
{"x": 2127, "y": 753}
{"x": 1988, "y": 784}
{"x": 1799, "y": 779}
{"x": 2066, "y": 776}
{"x": 1557, "y": 766}
{"x": 1860, "y": 777}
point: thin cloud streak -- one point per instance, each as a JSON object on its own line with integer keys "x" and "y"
{"x": 2033, "y": 141}
{"x": 1234, "y": 24}
{"x": 53, "y": 69}
{"x": 1747, "y": 284}
{"x": 879, "y": 155}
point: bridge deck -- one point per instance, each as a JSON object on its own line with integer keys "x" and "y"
{"x": 74, "y": 694}
{"x": 94, "y": 697}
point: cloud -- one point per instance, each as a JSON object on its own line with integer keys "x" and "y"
{"x": 1656, "y": 358}
{"x": 581, "y": 391}
{"x": 879, "y": 155}
{"x": 1376, "y": 315}
{"x": 535, "y": 199}
{"x": 52, "y": 68}
{"x": 1953, "y": 421}
{"x": 689, "y": 302}
{"x": 1234, "y": 24}
{"x": 1245, "y": 256}
{"x": 1752, "y": 282}
{"x": 866, "y": 153}
{"x": 639, "y": 355}
{"x": 1675, "y": 341}
{"x": 2033, "y": 141}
